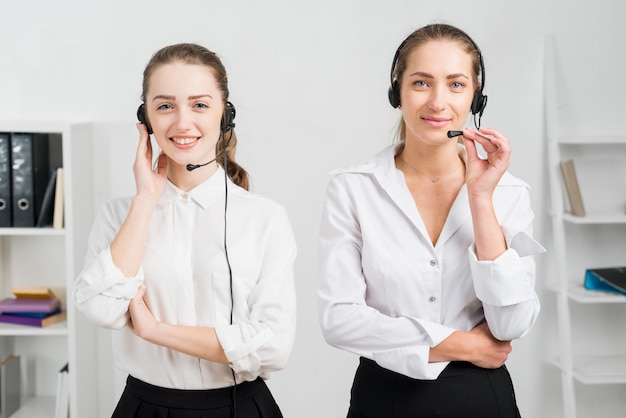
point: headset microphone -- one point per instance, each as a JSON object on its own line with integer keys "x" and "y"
{"x": 191, "y": 167}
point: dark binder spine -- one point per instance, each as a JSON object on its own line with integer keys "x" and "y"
{"x": 30, "y": 162}
{"x": 5, "y": 181}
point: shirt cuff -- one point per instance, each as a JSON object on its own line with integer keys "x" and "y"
{"x": 111, "y": 282}
{"x": 240, "y": 348}
{"x": 414, "y": 361}
{"x": 501, "y": 282}
{"x": 410, "y": 361}
{"x": 521, "y": 242}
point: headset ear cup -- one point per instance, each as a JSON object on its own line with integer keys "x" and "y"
{"x": 229, "y": 116}
{"x": 141, "y": 116}
{"x": 394, "y": 95}
{"x": 479, "y": 102}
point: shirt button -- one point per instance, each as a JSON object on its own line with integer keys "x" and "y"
{"x": 185, "y": 196}
{"x": 432, "y": 299}
{"x": 433, "y": 263}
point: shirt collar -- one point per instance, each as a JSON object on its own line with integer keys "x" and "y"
{"x": 202, "y": 194}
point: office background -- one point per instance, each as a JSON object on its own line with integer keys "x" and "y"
{"x": 309, "y": 80}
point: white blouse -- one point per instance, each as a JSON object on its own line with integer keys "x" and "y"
{"x": 387, "y": 294}
{"x": 187, "y": 279}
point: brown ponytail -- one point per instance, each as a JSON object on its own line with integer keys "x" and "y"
{"x": 235, "y": 172}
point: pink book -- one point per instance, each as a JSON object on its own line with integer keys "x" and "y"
{"x": 32, "y": 305}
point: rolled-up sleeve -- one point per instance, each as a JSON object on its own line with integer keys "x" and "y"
{"x": 263, "y": 341}
{"x": 506, "y": 285}
{"x": 101, "y": 292}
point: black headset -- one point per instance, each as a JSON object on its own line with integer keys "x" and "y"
{"x": 226, "y": 125}
{"x": 479, "y": 102}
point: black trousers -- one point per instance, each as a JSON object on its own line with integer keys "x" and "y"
{"x": 461, "y": 391}
{"x": 143, "y": 400}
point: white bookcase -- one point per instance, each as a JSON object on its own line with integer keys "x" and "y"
{"x": 591, "y": 355}
{"x": 53, "y": 258}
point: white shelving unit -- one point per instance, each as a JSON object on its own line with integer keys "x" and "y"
{"x": 590, "y": 352}
{"x": 53, "y": 258}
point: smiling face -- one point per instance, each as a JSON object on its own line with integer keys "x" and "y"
{"x": 184, "y": 106}
{"x": 436, "y": 90}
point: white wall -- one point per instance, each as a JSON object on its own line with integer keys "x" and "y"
{"x": 309, "y": 80}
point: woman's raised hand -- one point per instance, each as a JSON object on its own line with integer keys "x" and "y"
{"x": 482, "y": 175}
{"x": 149, "y": 183}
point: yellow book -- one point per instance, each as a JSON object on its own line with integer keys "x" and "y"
{"x": 40, "y": 292}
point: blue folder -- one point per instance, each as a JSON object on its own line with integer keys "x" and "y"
{"x": 606, "y": 279}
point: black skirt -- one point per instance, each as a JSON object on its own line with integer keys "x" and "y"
{"x": 462, "y": 390}
{"x": 143, "y": 400}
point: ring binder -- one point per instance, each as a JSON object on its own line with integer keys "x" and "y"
{"x": 5, "y": 181}
{"x": 30, "y": 170}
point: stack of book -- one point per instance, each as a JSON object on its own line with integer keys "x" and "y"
{"x": 32, "y": 306}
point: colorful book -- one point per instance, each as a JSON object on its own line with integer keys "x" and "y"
{"x": 13, "y": 305}
{"x": 33, "y": 322}
{"x": 33, "y": 292}
{"x": 34, "y": 314}
{"x": 611, "y": 279}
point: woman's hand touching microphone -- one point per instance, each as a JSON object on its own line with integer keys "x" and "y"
{"x": 482, "y": 175}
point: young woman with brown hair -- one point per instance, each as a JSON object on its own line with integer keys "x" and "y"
{"x": 194, "y": 273}
{"x": 426, "y": 252}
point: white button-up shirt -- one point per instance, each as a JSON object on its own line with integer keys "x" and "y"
{"x": 387, "y": 294}
{"x": 187, "y": 279}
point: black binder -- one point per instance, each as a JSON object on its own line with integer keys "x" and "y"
{"x": 31, "y": 168}
{"x": 46, "y": 211}
{"x": 5, "y": 181}
{"x": 611, "y": 279}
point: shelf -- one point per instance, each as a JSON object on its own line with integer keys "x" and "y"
{"x": 36, "y": 407}
{"x": 581, "y": 295}
{"x": 36, "y": 232}
{"x": 591, "y": 140}
{"x": 54, "y": 257}
{"x": 585, "y": 319}
{"x": 596, "y": 219}
{"x": 598, "y": 370}
{"x": 24, "y": 330}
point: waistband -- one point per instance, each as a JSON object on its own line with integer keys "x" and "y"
{"x": 192, "y": 398}
{"x": 453, "y": 369}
